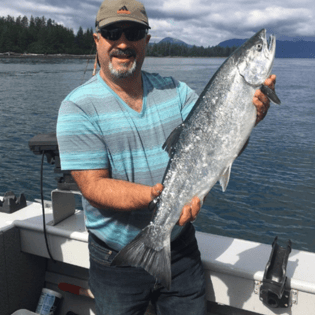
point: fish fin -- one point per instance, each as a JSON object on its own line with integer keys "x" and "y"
{"x": 271, "y": 94}
{"x": 225, "y": 177}
{"x": 172, "y": 139}
{"x": 148, "y": 250}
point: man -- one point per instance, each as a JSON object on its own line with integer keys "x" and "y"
{"x": 110, "y": 134}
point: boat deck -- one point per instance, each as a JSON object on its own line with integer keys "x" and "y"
{"x": 233, "y": 268}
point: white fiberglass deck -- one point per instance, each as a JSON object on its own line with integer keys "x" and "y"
{"x": 235, "y": 266}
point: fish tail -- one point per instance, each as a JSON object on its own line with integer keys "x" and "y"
{"x": 150, "y": 250}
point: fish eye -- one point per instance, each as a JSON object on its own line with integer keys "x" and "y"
{"x": 259, "y": 47}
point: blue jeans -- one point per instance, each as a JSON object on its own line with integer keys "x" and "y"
{"x": 127, "y": 290}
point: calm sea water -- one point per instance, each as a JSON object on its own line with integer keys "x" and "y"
{"x": 272, "y": 187}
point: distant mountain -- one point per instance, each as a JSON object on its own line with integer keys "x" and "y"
{"x": 232, "y": 42}
{"x": 291, "y": 47}
{"x": 173, "y": 41}
{"x": 298, "y": 49}
{"x": 285, "y": 48}
{"x": 296, "y": 39}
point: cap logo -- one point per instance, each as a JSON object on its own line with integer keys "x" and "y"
{"x": 123, "y": 10}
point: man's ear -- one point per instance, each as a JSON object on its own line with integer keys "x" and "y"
{"x": 96, "y": 37}
{"x": 147, "y": 39}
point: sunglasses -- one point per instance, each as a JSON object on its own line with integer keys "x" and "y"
{"x": 132, "y": 34}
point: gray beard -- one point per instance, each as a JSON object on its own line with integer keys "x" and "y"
{"x": 122, "y": 73}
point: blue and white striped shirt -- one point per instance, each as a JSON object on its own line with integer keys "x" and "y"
{"x": 96, "y": 129}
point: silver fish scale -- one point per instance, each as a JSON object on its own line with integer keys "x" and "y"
{"x": 210, "y": 141}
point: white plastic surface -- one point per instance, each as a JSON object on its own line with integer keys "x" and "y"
{"x": 23, "y": 312}
{"x": 232, "y": 266}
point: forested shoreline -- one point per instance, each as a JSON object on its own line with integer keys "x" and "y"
{"x": 24, "y": 37}
{"x": 42, "y": 36}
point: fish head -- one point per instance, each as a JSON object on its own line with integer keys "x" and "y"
{"x": 254, "y": 59}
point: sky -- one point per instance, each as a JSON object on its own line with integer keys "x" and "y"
{"x": 197, "y": 22}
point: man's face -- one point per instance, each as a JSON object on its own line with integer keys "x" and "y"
{"x": 121, "y": 58}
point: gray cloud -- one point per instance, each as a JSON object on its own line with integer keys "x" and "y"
{"x": 193, "y": 21}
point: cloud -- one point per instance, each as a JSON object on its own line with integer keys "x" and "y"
{"x": 198, "y": 22}
{"x": 203, "y": 23}
{"x": 271, "y": 17}
{"x": 178, "y": 10}
{"x": 70, "y": 13}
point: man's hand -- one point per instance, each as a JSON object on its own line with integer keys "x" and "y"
{"x": 156, "y": 190}
{"x": 190, "y": 211}
{"x": 261, "y": 101}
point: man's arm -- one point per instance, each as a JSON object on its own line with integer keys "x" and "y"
{"x": 104, "y": 192}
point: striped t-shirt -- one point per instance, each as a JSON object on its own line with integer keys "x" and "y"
{"x": 96, "y": 129}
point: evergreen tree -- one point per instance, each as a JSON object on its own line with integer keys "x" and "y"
{"x": 44, "y": 36}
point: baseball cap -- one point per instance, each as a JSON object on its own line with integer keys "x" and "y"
{"x": 112, "y": 11}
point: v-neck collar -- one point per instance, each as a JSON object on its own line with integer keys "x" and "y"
{"x": 123, "y": 103}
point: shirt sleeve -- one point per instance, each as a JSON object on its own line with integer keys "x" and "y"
{"x": 187, "y": 97}
{"x": 80, "y": 141}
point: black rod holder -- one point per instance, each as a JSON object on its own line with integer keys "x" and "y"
{"x": 272, "y": 290}
{"x": 11, "y": 203}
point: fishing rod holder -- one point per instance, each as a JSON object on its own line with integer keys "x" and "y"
{"x": 272, "y": 290}
{"x": 47, "y": 144}
{"x": 63, "y": 200}
{"x": 11, "y": 203}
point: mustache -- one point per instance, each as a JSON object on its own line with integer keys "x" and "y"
{"x": 128, "y": 52}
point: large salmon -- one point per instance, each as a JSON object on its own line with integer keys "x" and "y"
{"x": 203, "y": 148}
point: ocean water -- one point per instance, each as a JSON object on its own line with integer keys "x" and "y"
{"x": 272, "y": 186}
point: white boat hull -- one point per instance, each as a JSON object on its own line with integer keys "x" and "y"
{"x": 234, "y": 268}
